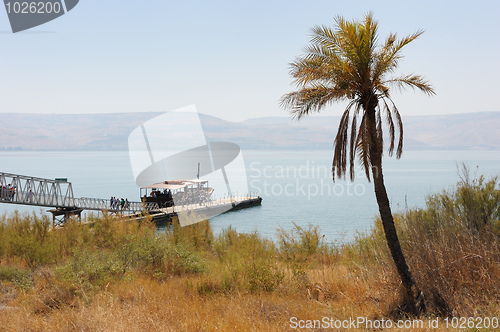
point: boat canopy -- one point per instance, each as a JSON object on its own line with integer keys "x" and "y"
{"x": 174, "y": 185}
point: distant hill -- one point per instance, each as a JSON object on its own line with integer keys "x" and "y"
{"x": 68, "y": 131}
{"x": 110, "y": 131}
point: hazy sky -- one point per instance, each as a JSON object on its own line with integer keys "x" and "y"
{"x": 231, "y": 58}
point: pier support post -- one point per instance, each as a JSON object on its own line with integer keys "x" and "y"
{"x": 66, "y": 213}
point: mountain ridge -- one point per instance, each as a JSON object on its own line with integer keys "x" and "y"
{"x": 109, "y": 131}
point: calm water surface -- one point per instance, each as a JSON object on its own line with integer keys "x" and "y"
{"x": 296, "y": 186}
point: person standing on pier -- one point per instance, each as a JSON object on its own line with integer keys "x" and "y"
{"x": 29, "y": 197}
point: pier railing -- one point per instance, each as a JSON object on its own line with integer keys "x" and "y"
{"x": 101, "y": 204}
{"x": 58, "y": 193}
{"x": 21, "y": 189}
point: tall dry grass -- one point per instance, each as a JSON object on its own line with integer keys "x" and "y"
{"x": 452, "y": 246}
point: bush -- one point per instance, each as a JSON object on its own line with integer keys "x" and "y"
{"x": 452, "y": 246}
{"x": 179, "y": 260}
{"x": 149, "y": 255}
{"x": 264, "y": 276}
{"x": 3, "y": 239}
{"x": 157, "y": 257}
{"x": 111, "y": 232}
{"x": 225, "y": 240}
{"x": 246, "y": 263}
{"x": 87, "y": 271}
{"x": 198, "y": 235}
{"x": 21, "y": 278}
{"x": 30, "y": 239}
{"x": 300, "y": 244}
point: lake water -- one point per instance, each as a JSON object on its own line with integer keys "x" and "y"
{"x": 296, "y": 186}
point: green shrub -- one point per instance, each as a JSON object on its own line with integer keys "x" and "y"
{"x": 299, "y": 244}
{"x": 3, "y": 239}
{"x": 154, "y": 255}
{"x": 30, "y": 239}
{"x": 246, "y": 263}
{"x": 106, "y": 232}
{"x": 72, "y": 237}
{"x": 21, "y": 278}
{"x": 180, "y": 261}
{"x": 264, "y": 276}
{"x": 87, "y": 271}
{"x": 198, "y": 235}
{"x": 243, "y": 276}
{"x": 475, "y": 202}
{"x": 225, "y": 240}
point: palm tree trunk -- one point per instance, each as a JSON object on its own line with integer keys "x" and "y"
{"x": 414, "y": 297}
{"x": 413, "y": 293}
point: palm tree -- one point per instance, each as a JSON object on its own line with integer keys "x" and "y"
{"x": 347, "y": 63}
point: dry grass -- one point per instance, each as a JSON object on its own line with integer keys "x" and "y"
{"x": 145, "y": 304}
{"x": 114, "y": 275}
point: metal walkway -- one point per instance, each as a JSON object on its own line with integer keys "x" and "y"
{"x": 58, "y": 193}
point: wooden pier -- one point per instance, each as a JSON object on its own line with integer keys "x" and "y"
{"x": 58, "y": 194}
{"x": 196, "y": 212}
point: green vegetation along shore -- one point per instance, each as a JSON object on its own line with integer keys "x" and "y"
{"x": 116, "y": 275}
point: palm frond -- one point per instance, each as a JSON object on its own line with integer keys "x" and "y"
{"x": 326, "y": 38}
{"x": 392, "y": 130}
{"x": 388, "y": 56}
{"x": 310, "y": 100}
{"x": 411, "y": 81}
{"x": 340, "y": 143}
{"x": 399, "y": 124}
{"x": 363, "y": 141}
{"x": 352, "y": 144}
{"x": 379, "y": 132}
